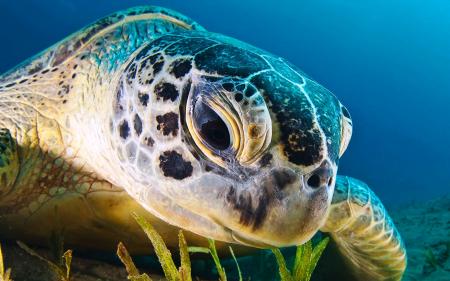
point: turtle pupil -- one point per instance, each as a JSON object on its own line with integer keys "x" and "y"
{"x": 211, "y": 127}
{"x": 216, "y": 133}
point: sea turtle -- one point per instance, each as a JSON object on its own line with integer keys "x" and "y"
{"x": 145, "y": 111}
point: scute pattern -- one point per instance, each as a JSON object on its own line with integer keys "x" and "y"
{"x": 299, "y": 134}
{"x": 188, "y": 46}
{"x": 148, "y": 100}
{"x": 229, "y": 60}
{"x": 166, "y": 91}
{"x": 359, "y": 223}
{"x": 168, "y": 124}
{"x": 309, "y": 132}
{"x": 180, "y": 67}
{"x": 327, "y": 112}
{"x": 173, "y": 165}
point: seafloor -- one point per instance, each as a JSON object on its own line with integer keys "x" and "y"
{"x": 425, "y": 228}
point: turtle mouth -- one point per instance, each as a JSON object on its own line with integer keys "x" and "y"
{"x": 239, "y": 239}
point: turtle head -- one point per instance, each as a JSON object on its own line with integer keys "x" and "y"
{"x": 229, "y": 142}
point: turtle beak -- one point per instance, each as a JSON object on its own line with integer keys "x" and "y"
{"x": 239, "y": 239}
{"x": 297, "y": 207}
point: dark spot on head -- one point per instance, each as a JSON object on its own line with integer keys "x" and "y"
{"x": 173, "y": 165}
{"x": 260, "y": 212}
{"x": 166, "y": 91}
{"x": 238, "y": 97}
{"x": 148, "y": 141}
{"x": 124, "y": 129}
{"x": 268, "y": 194}
{"x": 265, "y": 160}
{"x": 137, "y": 124}
{"x": 240, "y": 87}
{"x": 157, "y": 67}
{"x": 153, "y": 58}
{"x": 131, "y": 73}
{"x": 74, "y": 75}
{"x": 254, "y": 131}
{"x": 180, "y": 67}
{"x": 282, "y": 178}
{"x": 65, "y": 88}
{"x": 145, "y": 64}
{"x": 300, "y": 138}
{"x": 228, "y": 86}
{"x": 143, "y": 98}
{"x": 242, "y": 203}
{"x": 250, "y": 91}
{"x": 168, "y": 123}
{"x": 249, "y": 215}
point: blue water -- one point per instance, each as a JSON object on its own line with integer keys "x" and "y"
{"x": 387, "y": 60}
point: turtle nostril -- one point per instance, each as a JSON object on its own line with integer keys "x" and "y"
{"x": 314, "y": 181}
{"x": 321, "y": 177}
{"x": 330, "y": 181}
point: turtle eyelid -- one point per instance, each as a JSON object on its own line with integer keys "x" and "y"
{"x": 346, "y": 130}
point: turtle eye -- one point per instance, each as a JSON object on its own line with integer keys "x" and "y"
{"x": 210, "y": 126}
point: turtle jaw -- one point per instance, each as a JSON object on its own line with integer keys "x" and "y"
{"x": 289, "y": 223}
{"x": 274, "y": 208}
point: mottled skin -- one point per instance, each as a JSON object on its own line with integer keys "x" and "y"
{"x": 145, "y": 111}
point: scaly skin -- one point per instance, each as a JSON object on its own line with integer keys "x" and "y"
{"x": 145, "y": 111}
{"x": 364, "y": 232}
{"x": 52, "y": 183}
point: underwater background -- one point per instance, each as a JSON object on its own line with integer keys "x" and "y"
{"x": 388, "y": 61}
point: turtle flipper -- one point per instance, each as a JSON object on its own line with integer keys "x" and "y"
{"x": 9, "y": 162}
{"x": 364, "y": 233}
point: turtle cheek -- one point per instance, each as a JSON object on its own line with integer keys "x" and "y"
{"x": 291, "y": 221}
